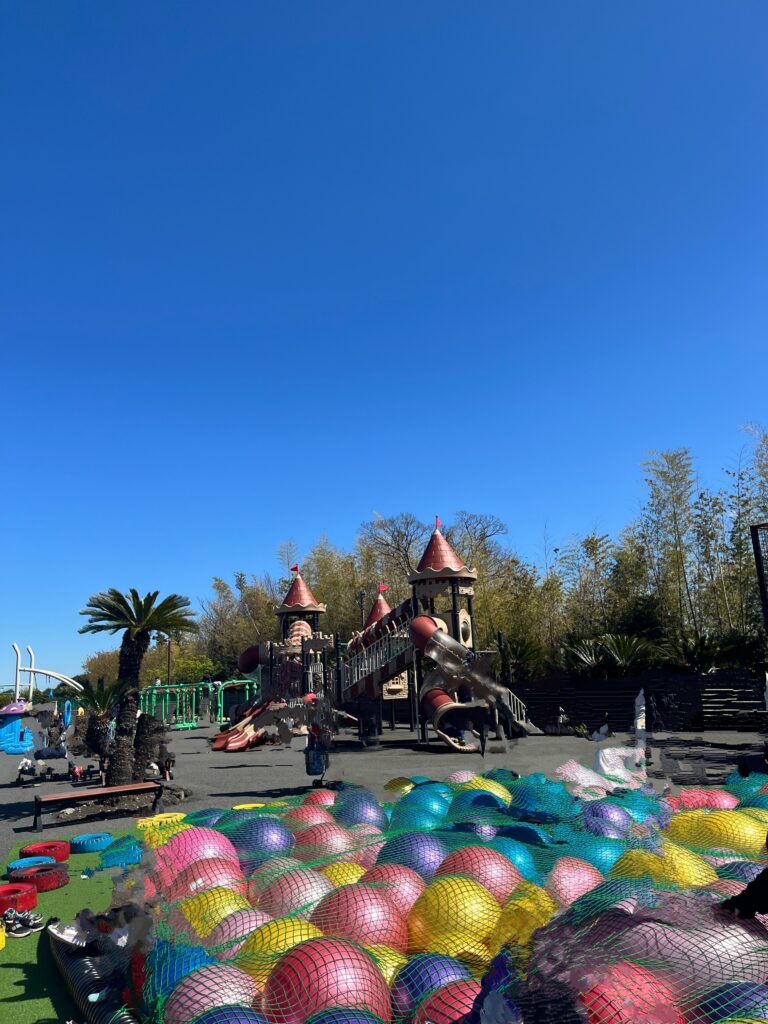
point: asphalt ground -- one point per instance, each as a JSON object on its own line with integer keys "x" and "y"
{"x": 214, "y": 778}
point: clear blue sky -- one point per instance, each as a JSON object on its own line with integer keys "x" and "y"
{"x": 269, "y": 268}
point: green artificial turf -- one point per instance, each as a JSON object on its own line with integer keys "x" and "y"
{"x": 31, "y": 989}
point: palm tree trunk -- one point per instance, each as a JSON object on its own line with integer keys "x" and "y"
{"x": 132, "y": 651}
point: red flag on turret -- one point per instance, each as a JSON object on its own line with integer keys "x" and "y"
{"x": 295, "y": 568}
{"x": 438, "y": 524}
{"x": 383, "y": 587}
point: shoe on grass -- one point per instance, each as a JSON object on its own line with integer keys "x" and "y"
{"x": 31, "y": 920}
{"x": 14, "y": 927}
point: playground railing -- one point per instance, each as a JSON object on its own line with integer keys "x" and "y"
{"x": 373, "y": 657}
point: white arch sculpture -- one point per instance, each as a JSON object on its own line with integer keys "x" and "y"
{"x": 32, "y": 671}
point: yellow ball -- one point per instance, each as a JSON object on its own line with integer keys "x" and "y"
{"x": 400, "y": 786}
{"x": 451, "y": 905}
{"x": 720, "y": 830}
{"x": 263, "y": 947}
{"x": 529, "y": 908}
{"x": 387, "y": 960}
{"x": 341, "y": 873}
{"x": 758, "y": 813}
{"x": 204, "y": 910}
{"x": 488, "y": 786}
{"x": 473, "y": 953}
{"x": 676, "y": 866}
{"x": 246, "y": 807}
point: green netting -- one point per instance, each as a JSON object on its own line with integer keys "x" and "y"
{"x": 485, "y": 898}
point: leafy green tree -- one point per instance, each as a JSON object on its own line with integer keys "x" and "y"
{"x": 138, "y": 618}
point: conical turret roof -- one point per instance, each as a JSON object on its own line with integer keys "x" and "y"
{"x": 379, "y": 609}
{"x": 299, "y": 599}
{"x": 440, "y": 560}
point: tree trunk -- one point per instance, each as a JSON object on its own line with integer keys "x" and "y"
{"x": 132, "y": 651}
{"x": 97, "y": 735}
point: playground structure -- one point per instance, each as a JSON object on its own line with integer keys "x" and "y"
{"x": 33, "y": 671}
{"x": 386, "y": 662}
{"x": 185, "y": 705}
{"x": 458, "y": 695}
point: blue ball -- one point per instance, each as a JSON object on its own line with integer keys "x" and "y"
{"x": 167, "y": 964}
{"x": 736, "y": 999}
{"x": 415, "y": 820}
{"x": 417, "y": 780}
{"x": 601, "y": 852}
{"x": 520, "y": 856}
{"x": 423, "y": 800}
{"x": 527, "y": 834}
{"x": 206, "y": 817}
{"x": 442, "y": 788}
{"x": 420, "y": 976}
{"x": 465, "y": 806}
{"x": 343, "y": 1015}
{"x": 421, "y": 851}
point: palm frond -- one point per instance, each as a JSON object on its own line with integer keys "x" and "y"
{"x": 111, "y": 611}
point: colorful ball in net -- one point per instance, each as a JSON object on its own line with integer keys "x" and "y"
{"x": 322, "y": 974}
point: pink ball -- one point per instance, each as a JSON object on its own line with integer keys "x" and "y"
{"x": 449, "y": 1004}
{"x": 727, "y": 886}
{"x": 363, "y": 914}
{"x": 461, "y": 776}
{"x": 571, "y": 878}
{"x": 205, "y": 874}
{"x": 716, "y": 799}
{"x": 322, "y": 973}
{"x": 488, "y": 867}
{"x": 233, "y": 930}
{"x": 322, "y": 841}
{"x": 320, "y": 797}
{"x": 366, "y": 848}
{"x": 194, "y": 844}
{"x": 401, "y": 884}
{"x": 150, "y": 888}
{"x": 303, "y": 817}
{"x": 296, "y": 892}
{"x": 630, "y": 994}
{"x": 207, "y": 987}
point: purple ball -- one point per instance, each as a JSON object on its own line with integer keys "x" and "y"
{"x": 230, "y": 1015}
{"x": 359, "y": 810}
{"x": 602, "y": 828}
{"x": 420, "y": 976}
{"x": 422, "y": 852}
{"x": 611, "y": 814}
{"x": 740, "y": 870}
{"x": 343, "y": 1015}
{"x": 260, "y": 839}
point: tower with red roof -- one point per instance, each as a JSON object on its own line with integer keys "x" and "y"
{"x": 441, "y": 574}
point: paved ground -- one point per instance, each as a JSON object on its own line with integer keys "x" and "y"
{"x": 224, "y": 779}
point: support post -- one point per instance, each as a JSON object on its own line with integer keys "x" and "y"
{"x": 455, "y": 624}
{"x": 18, "y": 671}
{"x": 32, "y": 680}
{"x": 339, "y": 670}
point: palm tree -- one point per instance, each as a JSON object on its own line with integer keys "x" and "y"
{"x": 627, "y": 651}
{"x": 100, "y": 704}
{"x": 138, "y": 618}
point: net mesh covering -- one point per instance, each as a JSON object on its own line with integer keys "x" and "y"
{"x": 489, "y": 898}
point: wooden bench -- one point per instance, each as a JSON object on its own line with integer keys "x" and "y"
{"x": 81, "y": 795}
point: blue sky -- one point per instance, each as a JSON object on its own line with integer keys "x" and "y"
{"x": 266, "y": 269}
